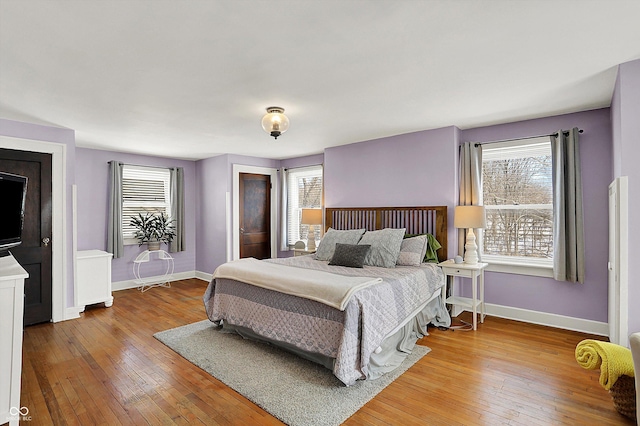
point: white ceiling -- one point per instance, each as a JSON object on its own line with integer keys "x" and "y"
{"x": 191, "y": 79}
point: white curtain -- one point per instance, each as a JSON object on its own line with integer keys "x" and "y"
{"x": 284, "y": 240}
{"x": 470, "y": 178}
{"x": 568, "y": 229}
{"x": 177, "y": 208}
{"x": 115, "y": 242}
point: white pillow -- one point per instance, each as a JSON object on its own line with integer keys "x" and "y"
{"x": 412, "y": 251}
{"x": 385, "y": 247}
{"x": 328, "y": 243}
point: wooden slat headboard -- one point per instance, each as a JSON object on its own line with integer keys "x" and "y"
{"x": 417, "y": 220}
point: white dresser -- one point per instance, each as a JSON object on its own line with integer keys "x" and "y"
{"x": 93, "y": 280}
{"x": 12, "y": 277}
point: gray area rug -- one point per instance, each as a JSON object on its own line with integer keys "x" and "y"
{"x": 296, "y": 391}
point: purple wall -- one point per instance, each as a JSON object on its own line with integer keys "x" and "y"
{"x": 414, "y": 169}
{"x": 213, "y": 184}
{"x": 57, "y": 135}
{"x": 625, "y": 115}
{"x": 92, "y": 172}
{"x": 421, "y": 169}
{"x": 309, "y": 160}
{"x": 215, "y": 179}
{"x": 588, "y": 300}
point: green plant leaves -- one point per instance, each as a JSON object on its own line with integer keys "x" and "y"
{"x": 153, "y": 227}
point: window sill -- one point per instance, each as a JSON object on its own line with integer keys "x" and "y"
{"x": 520, "y": 268}
{"x": 130, "y": 242}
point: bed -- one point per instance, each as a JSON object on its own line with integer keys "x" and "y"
{"x": 376, "y": 326}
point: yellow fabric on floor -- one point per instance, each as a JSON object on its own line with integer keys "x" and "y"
{"x": 613, "y": 360}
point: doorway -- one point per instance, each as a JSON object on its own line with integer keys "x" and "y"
{"x": 255, "y": 215}
{"x": 59, "y": 245}
{"x": 34, "y": 254}
{"x": 234, "y": 225}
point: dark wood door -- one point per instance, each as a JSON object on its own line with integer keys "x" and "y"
{"x": 255, "y": 215}
{"x": 34, "y": 254}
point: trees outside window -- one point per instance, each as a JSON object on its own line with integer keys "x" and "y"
{"x": 518, "y": 198}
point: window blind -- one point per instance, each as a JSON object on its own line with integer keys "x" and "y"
{"x": 516, "y": 149}
{"x": 144, "y": 190}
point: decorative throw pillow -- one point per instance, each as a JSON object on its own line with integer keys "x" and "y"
{"x": 385, "y": 247}
{"x": 332, "y": 237}
{"x": 350, "y": 255}
{"x": 431, "y": 255}
{"x": 412, "y": 251}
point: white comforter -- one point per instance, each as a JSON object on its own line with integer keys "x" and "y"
{"x": 331, "y": 289}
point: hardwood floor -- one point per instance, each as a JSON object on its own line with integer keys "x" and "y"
{"x": 106, "y": 368}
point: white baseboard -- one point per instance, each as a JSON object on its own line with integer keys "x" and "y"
{"x": 547, "y": 319}
{"x": 204, "y": 276}
{"x": 128, "y": 284}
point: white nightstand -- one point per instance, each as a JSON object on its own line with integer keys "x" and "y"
{"x": 302, "y": 252}
{"x": 452, "y": 269}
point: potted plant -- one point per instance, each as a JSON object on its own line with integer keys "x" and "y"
{"x": 153, "y": 230}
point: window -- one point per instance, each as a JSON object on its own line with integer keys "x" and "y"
{"x": 144, "y": 190}
{"x": 518, "y": 198}
{"x": 304, "y": 190}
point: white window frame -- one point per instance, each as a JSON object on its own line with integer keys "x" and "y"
{"x": 146, "y": 173}
{"x": 293, "y": 209}
{"x": 517, "y": 264}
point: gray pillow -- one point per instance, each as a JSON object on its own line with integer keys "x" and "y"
{"x": 350, "y": 255}
{"x": 412, "y": 251}
{"x": 332, "y": 237}
{"x": 385, "y": 247}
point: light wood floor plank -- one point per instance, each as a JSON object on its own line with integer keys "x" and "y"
{"x": 107, "y": 368}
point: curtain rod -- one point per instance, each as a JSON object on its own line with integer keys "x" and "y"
{"x": 566, "y": 132}
{"x": 141, "y": 165}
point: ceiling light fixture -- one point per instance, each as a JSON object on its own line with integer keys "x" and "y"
{"x": 275, "y": 122}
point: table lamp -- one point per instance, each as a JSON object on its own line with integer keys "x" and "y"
{"x": 311, "y": 217}
{"x": 470, "y": 217}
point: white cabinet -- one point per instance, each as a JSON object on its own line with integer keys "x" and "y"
{"x": 93, "y": 280}
{"x": 12, "y": 277}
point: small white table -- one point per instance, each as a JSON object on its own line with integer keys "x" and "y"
{"x": 302, "y": 252}
{"x": 452, "y": 269}
{"x": 162, "y": 281}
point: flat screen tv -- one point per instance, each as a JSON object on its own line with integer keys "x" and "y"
{"x": 13, "y": 192}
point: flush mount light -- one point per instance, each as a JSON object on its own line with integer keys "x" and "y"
{"x": 275, "y": 122}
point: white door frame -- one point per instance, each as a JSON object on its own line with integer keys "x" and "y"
{"x": 241, "y": 168}
{"x": 618, "y": 264}
{"x": 59, "y": 213}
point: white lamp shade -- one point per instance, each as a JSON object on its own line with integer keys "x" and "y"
{"x": 469, "y": 217}
{"x": 311, "y": 217}
{"x": 275, "y": 122}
